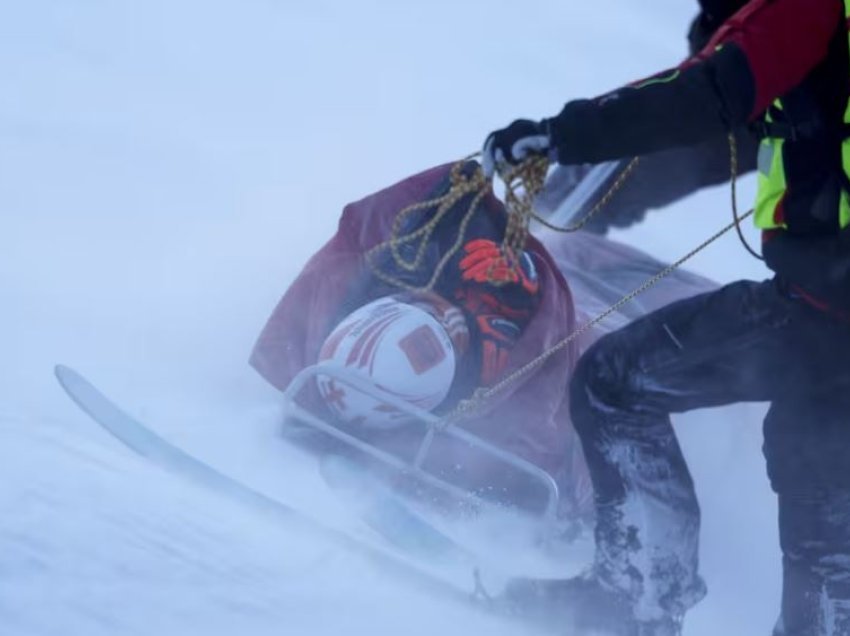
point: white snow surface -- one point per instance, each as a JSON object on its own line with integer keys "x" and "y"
{"x": 165, "y": 169}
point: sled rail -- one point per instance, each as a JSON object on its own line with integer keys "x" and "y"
{"x": 431, "y": 429}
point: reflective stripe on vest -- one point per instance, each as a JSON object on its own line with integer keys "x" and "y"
{"x": 771, "y": 180}
{"x": 772, "y": 184}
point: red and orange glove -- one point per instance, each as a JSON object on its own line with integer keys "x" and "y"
{"x": 497, "y": 282}
{"x": 500, "y": 291}
{"x": 487, "y": 262}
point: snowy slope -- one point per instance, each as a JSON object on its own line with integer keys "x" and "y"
{"x": 165, "y": 168}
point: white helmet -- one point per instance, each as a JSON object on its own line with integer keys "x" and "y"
{"x": 405, "y": 346}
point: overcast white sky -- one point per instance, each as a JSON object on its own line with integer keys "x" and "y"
{"x": 166, "y": 166}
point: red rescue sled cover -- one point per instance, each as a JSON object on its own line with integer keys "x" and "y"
{"x": 581, "y": 275}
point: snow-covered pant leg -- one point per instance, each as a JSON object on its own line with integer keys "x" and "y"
{"x": 809, "y": 468}
{"x": 814, "y": 531}
{"x": 732, "y": 345}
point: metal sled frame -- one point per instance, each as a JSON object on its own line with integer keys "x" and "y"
{"x": 430, "y": 423}
{"x": 574, "y": 204}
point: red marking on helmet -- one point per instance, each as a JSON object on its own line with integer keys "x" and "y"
{"x": 332, "y": 343}
{"x": 364, "y": 347}
{"x": 423, "y": 349}
{"x": 367, "y": 357}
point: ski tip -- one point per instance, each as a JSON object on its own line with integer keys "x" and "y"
{"x": 63, "y": 372}
{"x": 67, "y": 377}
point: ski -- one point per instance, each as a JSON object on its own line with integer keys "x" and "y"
{"x": 143, "y": 441}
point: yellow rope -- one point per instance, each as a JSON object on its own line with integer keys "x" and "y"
{"x": 467, "y": 407}
{"x": 600, "y": 205}
{"x": 523, "y": 183}
{"x": 733, "y": 166}
{"x": 461, "y": 185}
{"x": 481, "y": 394}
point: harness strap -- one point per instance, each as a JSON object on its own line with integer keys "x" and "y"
{"x": 793, "y": 132}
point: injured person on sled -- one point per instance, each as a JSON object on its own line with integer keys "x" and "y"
{"x": 413, "y": 305}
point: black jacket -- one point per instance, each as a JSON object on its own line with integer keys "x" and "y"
{"x": 796, "y": 50}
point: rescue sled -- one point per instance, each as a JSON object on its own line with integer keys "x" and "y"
{"x": 415, "y": 462}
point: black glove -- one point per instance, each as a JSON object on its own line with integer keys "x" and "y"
{"x": 514, "y": 144}
{"x": 556, "y": 138}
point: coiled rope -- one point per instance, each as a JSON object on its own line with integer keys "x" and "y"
{"x": 522, "y": 183}
{"x": 461, "y": 185}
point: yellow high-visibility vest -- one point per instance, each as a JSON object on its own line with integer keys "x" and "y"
{"x": 772, "y": 182}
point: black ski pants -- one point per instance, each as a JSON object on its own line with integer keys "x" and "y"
{"x": 744, "y": 342}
